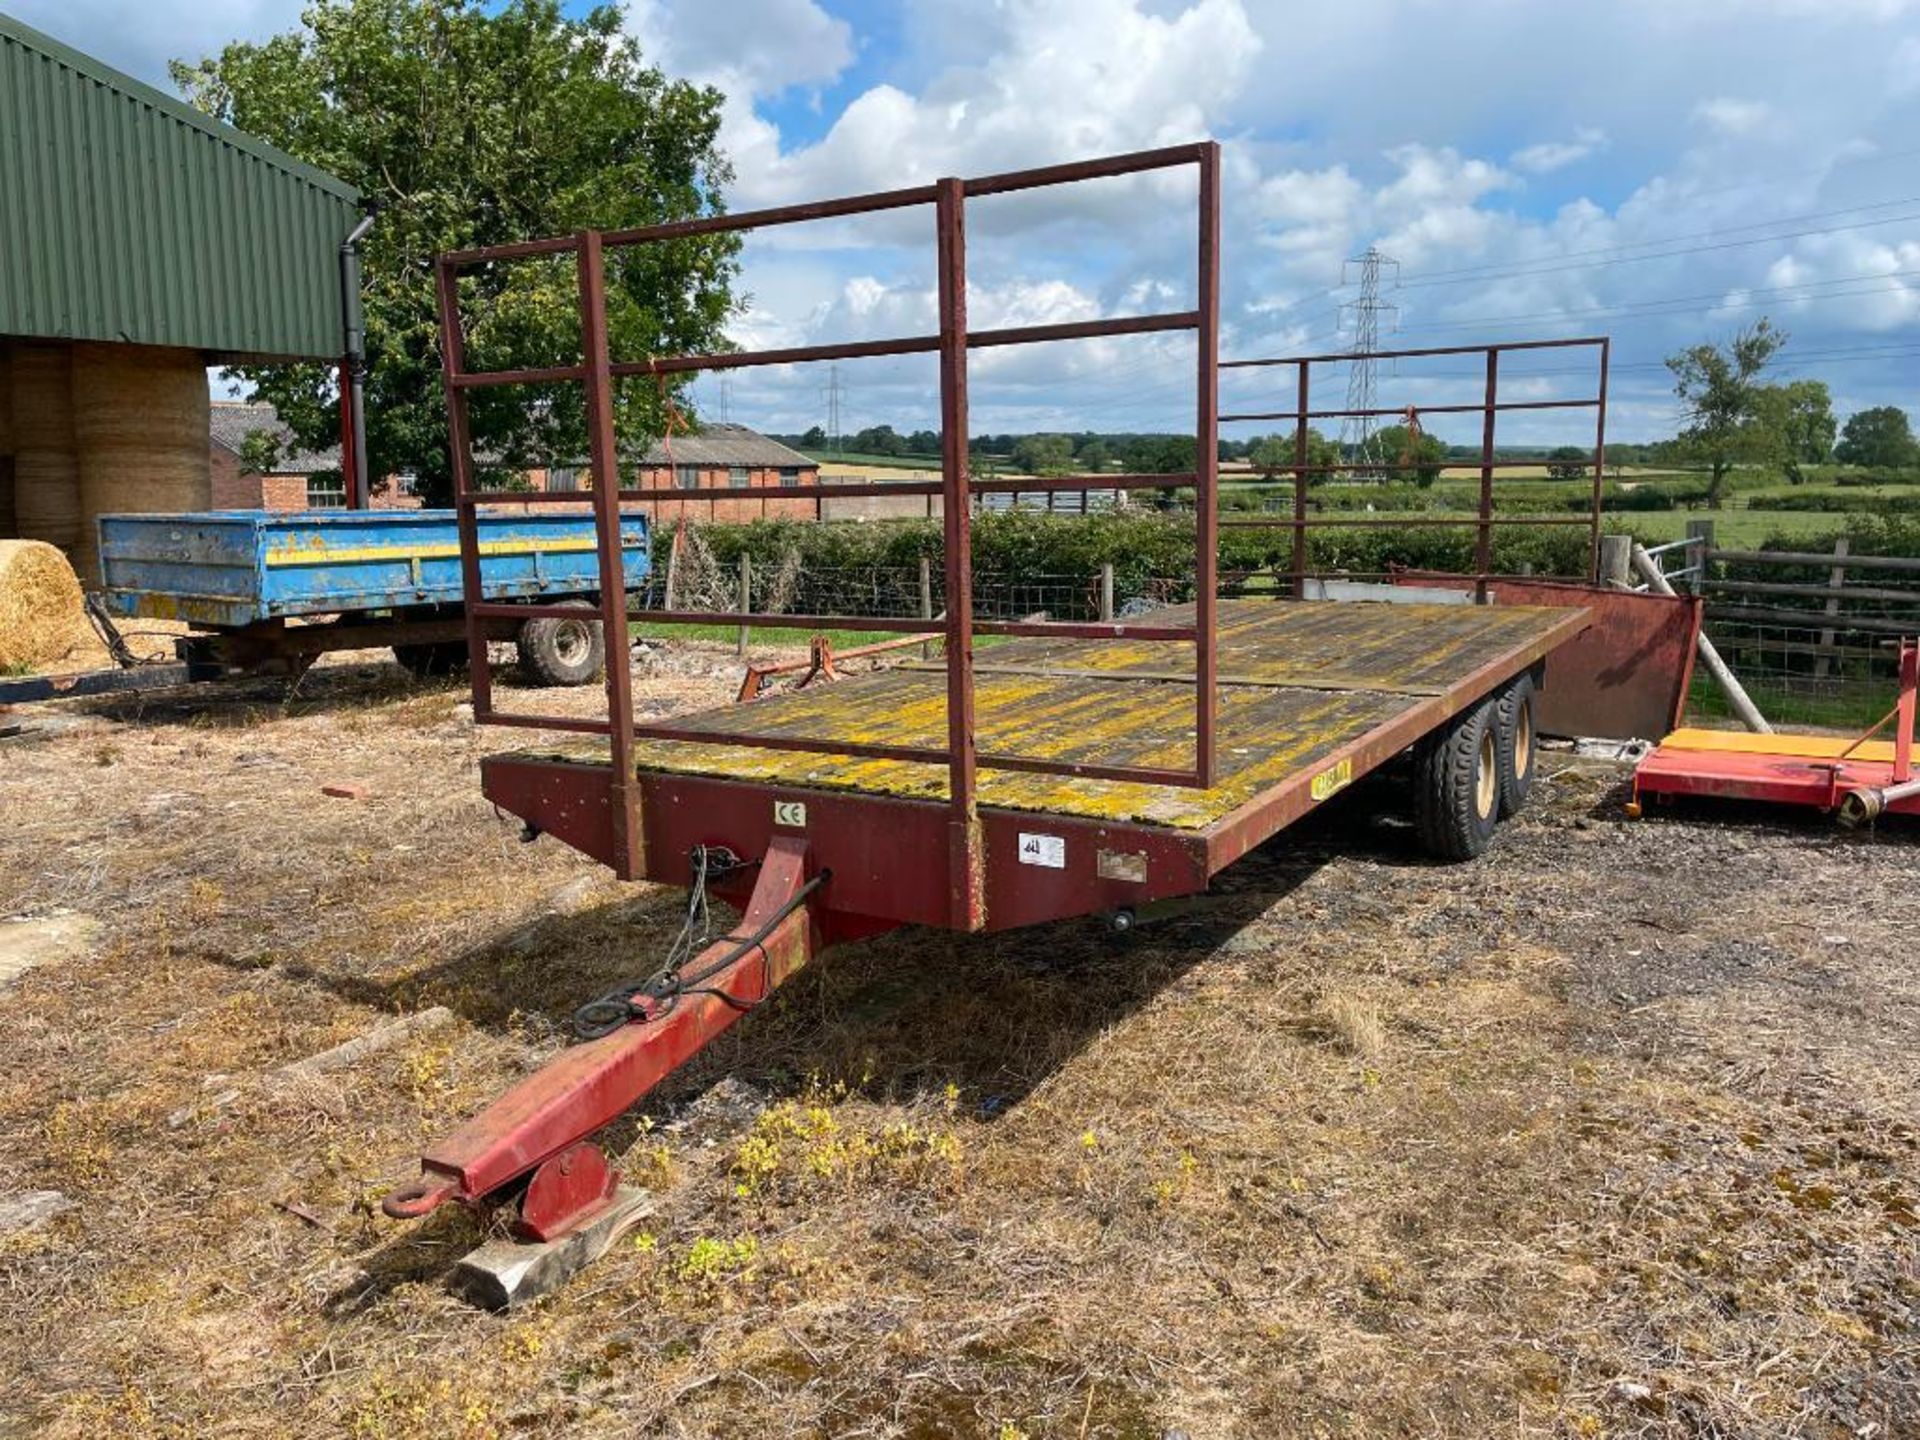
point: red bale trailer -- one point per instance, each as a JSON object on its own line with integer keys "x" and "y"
{"x": 1078, "y": 768}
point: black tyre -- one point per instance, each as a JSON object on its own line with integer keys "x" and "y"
{"x": 443, "y": 657}
{"x": 1457, "y": 785}
{"x": 1519, "y": 743}
{"x": 563, "y": 652}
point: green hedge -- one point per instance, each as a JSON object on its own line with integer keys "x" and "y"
{"x": 1140, "y": 547}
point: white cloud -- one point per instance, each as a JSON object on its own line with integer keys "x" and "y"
{"x": 1072, "y": 78}
{"x": 1551, "y": 155}
{"x": 755, "y": 47}
{"x": 1734, "y": 117}
{"x": 141, "y": 39}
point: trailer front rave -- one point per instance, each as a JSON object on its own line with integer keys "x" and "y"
{"x": 1077, "y": 769}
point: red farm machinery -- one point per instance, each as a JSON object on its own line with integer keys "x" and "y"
{"x": 1071, "y": 768}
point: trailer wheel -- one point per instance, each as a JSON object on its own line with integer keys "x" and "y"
{"x": 1457, "y": 773}
{"x": 562, "y": 652}
{"x": 1519, "y": 743}
{"x": 443, "y": 657}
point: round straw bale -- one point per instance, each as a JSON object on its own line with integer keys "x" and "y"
{"x": 41, "y": 614}
{"x": 46, "y": 485}
{"x": 140, "y": 418}
{"x": 7, "y": 523}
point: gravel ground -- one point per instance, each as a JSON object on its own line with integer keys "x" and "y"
{"x": 1612, "y": 1132}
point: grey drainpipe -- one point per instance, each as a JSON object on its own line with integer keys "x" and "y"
{"x": 353, "y": 321}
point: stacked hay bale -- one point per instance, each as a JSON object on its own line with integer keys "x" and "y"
{"x": 140, "y": 420}
{"x": 46, "y": 476}
{"x": 41, "y": 614}
{"x": 8, "y": 529}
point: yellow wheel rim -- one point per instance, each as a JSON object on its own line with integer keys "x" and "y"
{"x": 1486, "y": 779}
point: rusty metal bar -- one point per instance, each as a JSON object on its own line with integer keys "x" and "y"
{"x": 1300, "y": 486}
{"x": 1419, "y": 521}
{"x": 990, "y": 486}
{"x": 1599, "y": 462}
{"x": 1104, "y": 168}
{"x": 967, "y": 863}
{"x": 1483, "y": 543}
{"x": 1424, "y": 410}
{"x": 453, "y": 352}
{"x": 913, "y": 754}
{"x": 1338, "y": 356}
{"x": 624, "y": 790}
{"x": 901, "y": 345}
{"x": 541, "y": 375}
{"x": 1206, "y": 496}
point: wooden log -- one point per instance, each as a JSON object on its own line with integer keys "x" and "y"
{"x": 384, "y": 1036}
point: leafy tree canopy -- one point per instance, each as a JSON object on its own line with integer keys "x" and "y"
{"x": 1044, "y": 454}
{"x": 1397, "y": 445}
{"x": 1727, "y": 419}
{"x": 1882, "y": 436}
{"x": 473, "y": 124}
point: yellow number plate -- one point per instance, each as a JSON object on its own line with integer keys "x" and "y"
{"x": 1332, "y": 780}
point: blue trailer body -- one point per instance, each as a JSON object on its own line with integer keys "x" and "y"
{"x": 227, "y": 569}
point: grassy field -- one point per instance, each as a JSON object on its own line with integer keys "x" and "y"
{"x": 1606, "y": 1135}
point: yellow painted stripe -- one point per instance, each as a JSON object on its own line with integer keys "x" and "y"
{"x": 1799, "y": 747}
{"x": 329, "y": 555}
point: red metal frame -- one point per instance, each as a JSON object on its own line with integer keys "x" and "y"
{"x": 597, "y": 371}
{"x": 1489, "y": 408}
{"x": 1858, "y": 788}
{"x": 539, "y": 1125}
{"x": 650, "y": 824}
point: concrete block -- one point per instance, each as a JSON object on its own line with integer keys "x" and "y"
{"x": 504, "y": 1273}
{"x": 30, "y": 1209}
{"x": 26, "y": 944}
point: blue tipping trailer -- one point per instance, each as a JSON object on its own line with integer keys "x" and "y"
{"x": 267, "y": 593}
{"x": 227, "y": 569}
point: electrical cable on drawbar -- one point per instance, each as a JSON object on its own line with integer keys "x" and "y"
{"x": 666, "y": 986}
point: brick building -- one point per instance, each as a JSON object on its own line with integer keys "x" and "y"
{"x": 734, "y": 458}
{"x": 298, "y": 480}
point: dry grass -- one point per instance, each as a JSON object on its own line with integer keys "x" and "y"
{"x": 1643, "y": 1162}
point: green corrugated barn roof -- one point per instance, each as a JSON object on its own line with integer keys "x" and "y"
{"x": 127, "y": 215}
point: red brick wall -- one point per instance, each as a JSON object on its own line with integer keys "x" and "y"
{"x": 232, "y": 488}
{"x": 762, "y": 498}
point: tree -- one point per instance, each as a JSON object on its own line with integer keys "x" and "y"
{"x": 1726, "y": 417}
{"x": 814, "y": 439}
{"x": 1568, "y": 462}
{"x": 471, "y": 124}
{"x": 1094, "y": 456}
{"x": 923, "y": 442}
{"x": 877, "y": 440}
{"x": 1794, "y": 423}
{"x": 1881, "y": 437}
{"x": 1270, "y": 454}
{"x": 1427, "y": 454}
{"x": 1044, "y": 454}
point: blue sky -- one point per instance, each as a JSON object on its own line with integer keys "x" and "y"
{"x": 1660, "y": 171}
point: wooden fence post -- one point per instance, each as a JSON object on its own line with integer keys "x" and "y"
{"x": 1106, "y": 590}
{"x": 746, "y": 597}
{"x": 1699, "y": 542}
{"x": 1616, "y": 561}
{"x": 1836, "y": 581}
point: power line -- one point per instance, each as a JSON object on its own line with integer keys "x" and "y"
{"x": 1429, "y": 277}
{"x": 1524, "y": 273}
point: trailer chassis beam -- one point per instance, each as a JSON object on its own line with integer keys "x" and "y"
{"x": 541, "y": 1127}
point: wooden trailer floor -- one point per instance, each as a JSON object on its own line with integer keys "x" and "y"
{"x": 1299, "y": 681}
